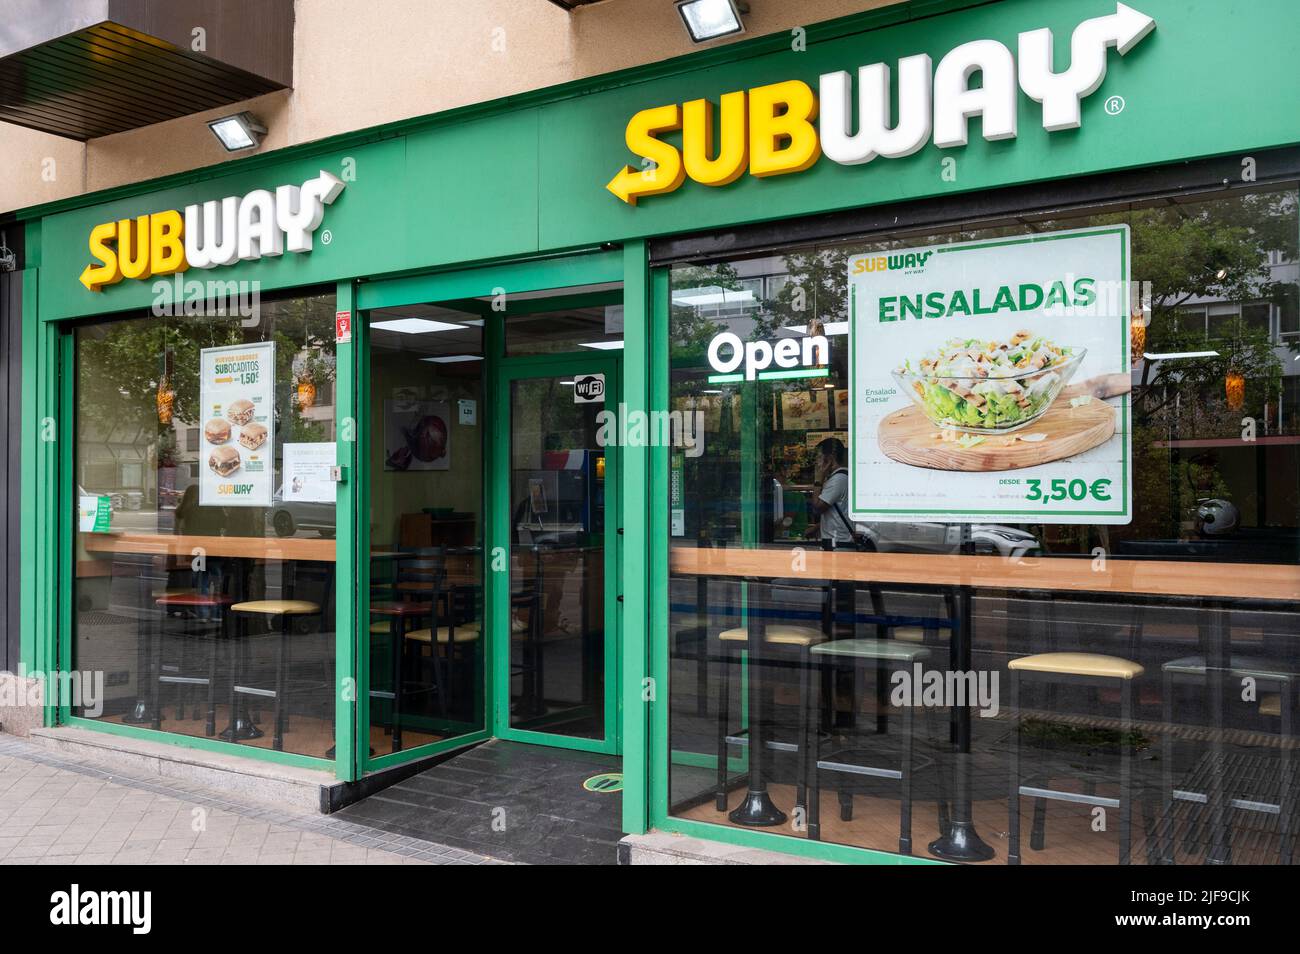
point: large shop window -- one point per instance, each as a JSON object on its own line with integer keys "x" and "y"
{"x": 874, "y": 637}
{"x": 204, "y": 581}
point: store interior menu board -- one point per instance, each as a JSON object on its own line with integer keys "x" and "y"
{"x": 990, "y": 380}
{"x": 237, "y": 393}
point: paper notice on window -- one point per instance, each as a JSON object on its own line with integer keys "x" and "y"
{"x": 989, "y": 381}
{"x": 237, "y": 396}
{"x": 95, "y": 514}
{"x": 306, "y": 470}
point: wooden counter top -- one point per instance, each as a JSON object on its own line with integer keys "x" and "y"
{"x": 1264, "y": 581}
{"x": 316, "y": 549}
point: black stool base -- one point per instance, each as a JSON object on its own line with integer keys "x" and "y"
{"x": 961, "y": 843}
{"x": 240, "y": 730}
{"x": 758, "y": 811}
{"x": 143, "y": 712}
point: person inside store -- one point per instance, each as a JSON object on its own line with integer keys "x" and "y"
{"x": 829, "y": 504}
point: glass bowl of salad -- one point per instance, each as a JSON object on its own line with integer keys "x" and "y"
{"x": 989, "y": 387}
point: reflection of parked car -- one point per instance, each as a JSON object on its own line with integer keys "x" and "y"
{"x": 287, "y": 517}
{"x": 119, "y": 500}
{"x": 920, "y": 537}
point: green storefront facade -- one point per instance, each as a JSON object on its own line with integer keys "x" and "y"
{"x": 507, "y": 200}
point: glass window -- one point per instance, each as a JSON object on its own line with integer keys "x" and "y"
{"x": 204, "y": 578}
{"x": 788, "y": 662}
{"x": 428, "y": 420}
{"x": 584, "y": 319}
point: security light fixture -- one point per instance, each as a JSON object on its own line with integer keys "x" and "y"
{"x": 238, "y": 132}
{"x": 453, "y": 358}
{"x": 415, "y": 326}
{"x": 707, "y": 20}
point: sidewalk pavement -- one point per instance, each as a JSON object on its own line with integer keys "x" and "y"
{"x": 58, "y": 809}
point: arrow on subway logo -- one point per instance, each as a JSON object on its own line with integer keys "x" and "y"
{"x": 776, "y": 129}
{"x": 663, "y": 171}
{"x": 218, "y": 232}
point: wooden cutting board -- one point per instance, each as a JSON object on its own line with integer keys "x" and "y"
{"x": 909, "y": 437}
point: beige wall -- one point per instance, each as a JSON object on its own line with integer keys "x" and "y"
{"x": 394, "y": 60}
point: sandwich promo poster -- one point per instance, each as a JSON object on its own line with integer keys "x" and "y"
{"x": 236, "y": 392}
{"x": 990, "y": 380}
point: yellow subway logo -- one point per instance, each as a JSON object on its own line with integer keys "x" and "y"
{"x": 218, "y": 232}
{"x": 785, "y": 127}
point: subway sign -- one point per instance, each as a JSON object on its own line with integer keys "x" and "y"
{"x": 785, "y": 127}
{"x": 218, "y": 232}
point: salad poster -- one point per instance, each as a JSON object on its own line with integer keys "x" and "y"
{"x": 237, "y": 394}
{"x": 989, "y": 381}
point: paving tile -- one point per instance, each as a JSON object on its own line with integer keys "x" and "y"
{"x": 56, "y": 809}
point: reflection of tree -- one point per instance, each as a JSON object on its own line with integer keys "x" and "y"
{"x": 121, "y": 363}
{"x": 1216, "y": 251}
{"x": 1191, "y": 391}
{"x": 691, "y": 330}
{"x": 816, "y": 288}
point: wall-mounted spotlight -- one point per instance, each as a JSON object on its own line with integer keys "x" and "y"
{"x": 238, "y": 132}
{"x": 712, "y": 19}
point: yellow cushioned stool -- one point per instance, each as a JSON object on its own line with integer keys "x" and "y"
{"x": 279, "y": 612}
{"x": 1086, "y": 668}
{"x": 757, "y": 810}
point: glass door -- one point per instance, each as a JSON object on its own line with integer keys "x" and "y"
{"x": 424, "y": 641}
{"x": 557, "y": 667}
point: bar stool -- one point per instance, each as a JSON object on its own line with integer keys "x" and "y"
{"x": 283, "y": 612}
{"x": 398, "y": 618}
{"x": 446, "y": 638}
{"x": 1089, "y": 669}
{"x": 190, "y": 602}
{"x": 886, "y": 654}
{"x": 1276, "y": 702}
{"x": 529, "y": 600}
{"x": 730, "y": 642}
{"x": 152, "y": 582}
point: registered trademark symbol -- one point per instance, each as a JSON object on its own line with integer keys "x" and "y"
{"x": 1115, "y": 105}
{"x": 327, "y": 236}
